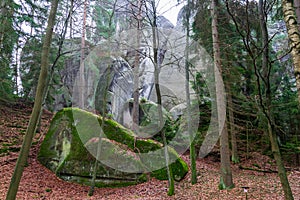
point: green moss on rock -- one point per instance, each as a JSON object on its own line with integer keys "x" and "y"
{"x": 70, "y": 147}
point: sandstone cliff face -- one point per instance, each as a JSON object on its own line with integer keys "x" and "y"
{"x": 109, "y": 70}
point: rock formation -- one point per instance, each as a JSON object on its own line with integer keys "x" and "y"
{"x": 70, "y": 150}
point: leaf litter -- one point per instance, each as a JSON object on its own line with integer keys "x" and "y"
{"x": 40, "y": 183}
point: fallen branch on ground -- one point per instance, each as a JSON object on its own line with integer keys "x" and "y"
{"x": 258, "y": 170}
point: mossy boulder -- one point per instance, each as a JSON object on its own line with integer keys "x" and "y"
{"x": 72, "y": 144}
{"x": 149, "y": 126}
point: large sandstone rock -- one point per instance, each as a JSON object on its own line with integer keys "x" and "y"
{"x": 71, "y": 145}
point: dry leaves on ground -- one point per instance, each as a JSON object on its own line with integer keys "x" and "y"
{"x": 40, "y": 183}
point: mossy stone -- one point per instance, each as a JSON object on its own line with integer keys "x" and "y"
{"x": 72, "y": 138}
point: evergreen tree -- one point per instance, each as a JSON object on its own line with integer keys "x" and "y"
{"x": 8, "y": 39}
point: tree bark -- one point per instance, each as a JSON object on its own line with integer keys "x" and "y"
{"x": 280, "y": 165}
{"x": 294, "y": 37}
{"x": 136, "y": 93}
{"x": 267, "y": 109}
{"x": 71, "y": 21}
{"x": 226, "y": 174}
{"x": 226, "y": 181}
{"x": 155, "y": 36}
{"x": 22, "y": 159}
{"x": 188, "y": 99}
{"x": 234, "y": 151}
{"x": 297, "y": 10}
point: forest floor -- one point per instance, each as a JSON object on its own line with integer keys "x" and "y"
{"x": 40, "y": 183}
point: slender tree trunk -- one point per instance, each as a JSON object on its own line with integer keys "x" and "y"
{"x": 4, "y": 13}
{"x": 71, "y": 21}
{"x": 234, "y": 151}
{"x": 159, "y": 100}
{"x": 226, "y": 174}
{"x": 99, "y": 145}
{"x": 103, "y": 106}
{"x": 16, "y": 74}
{"x": 33, "y": 14}
{"x": 294, "y": 37}
{"x": 188, "y": 99}
{"x": 19, "y": 168}
{"x": 280, "y": 165}
{"x": 82, "y": 55}
{"x": 136, "y": 93}
{"x": 226, "y": 181}
{"x": 266, "y": 66}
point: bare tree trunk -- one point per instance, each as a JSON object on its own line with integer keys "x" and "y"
{"x": 188, "y": 99}
{"x": 16, "y": 74}
{"x": 226, "y": 181}
{"x": 294, "y": 36}
{"x": 234, "y": 151}
{"x": 99, "y": 145}
{"x": 71, "y": 21}
{"x": 103, "y": 106}
{"x": 136, "y": 93}
{"x": 19, "y": 168}
{"x": 226, "y": 174}
{"x": 159, "y": 100}
{"x": 267, "y": 109}
{"x": 82, "y": 55}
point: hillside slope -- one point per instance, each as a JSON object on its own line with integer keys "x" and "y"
{"x": 40, "y": 183}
